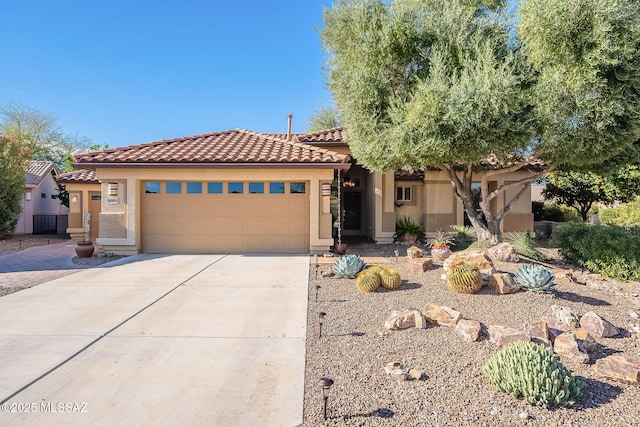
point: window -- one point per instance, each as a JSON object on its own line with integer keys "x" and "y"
{"x": 43, "y": 196}
{"x": 174, "y": 187}
{"x": 296, "y": 187}
{"x": 403, "y": 194}
{"x": 235, "y": 188}
{"x": 214, "y": 187}
{"x": 276, "y": 187}
{"x": 256, "y": 188}
{"x": 194, "y": 188}
{"x": 152, "y": 187}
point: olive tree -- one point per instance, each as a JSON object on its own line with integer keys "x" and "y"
{"x": 446, "y": 85}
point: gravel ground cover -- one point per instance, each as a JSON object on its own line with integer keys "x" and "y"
{"x": 354, "y": 349}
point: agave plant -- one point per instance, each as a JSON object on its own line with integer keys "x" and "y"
{"x": 348, "y": 266}
{"x": 534, "y": 277}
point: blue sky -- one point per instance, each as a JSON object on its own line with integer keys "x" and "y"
{"x": 128, "y": 72}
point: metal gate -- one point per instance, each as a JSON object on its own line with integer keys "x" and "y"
{"x": 45, "y": 224}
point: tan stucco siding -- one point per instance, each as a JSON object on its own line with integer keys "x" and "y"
{"x": 79, "y": 204}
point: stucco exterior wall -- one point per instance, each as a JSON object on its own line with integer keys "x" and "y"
{"x": 79, "y": 200}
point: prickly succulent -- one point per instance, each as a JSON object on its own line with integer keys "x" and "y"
{"x": 465, "y": 278}
{"x": 368, "y": 280}
{"x": 534, "y": 277}
{"x": 390, "y": 278}
{"x": 348, "y": 266}
{"x": 528, "y": 370}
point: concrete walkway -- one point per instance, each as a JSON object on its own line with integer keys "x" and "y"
{"x": 194, "y": 340}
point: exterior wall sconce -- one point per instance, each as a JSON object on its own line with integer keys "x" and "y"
{"x": 326, "y": 189}
{"x": 27, "y": 195}
{"x": 74, "y": 198}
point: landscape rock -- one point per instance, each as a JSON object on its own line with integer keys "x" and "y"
{"x": 469, "y": 329}
{"x": 585, "y": 341}
{"x": 392, "y": 366}
{"x": 568, "y": 277}
{"x": 539, "y": 332}
{"x": 474, "y": 256}
{"x": 441, "y": 315}
{"x": 415, "y": 252}
{"x": 328, "y": 273}
{"x": 415, "y": 374}
{"x": 634, "y": 314}
{"x": 567, "y": 345}
{"x": 556, "y": 327}
{"x": 503, "y": 283}
{"x": 502, "y": 335}
{"x": 565, "y": 315}
{"x": 597, "y": 326}
{"x": 504, "y": 252}
{"x": 419, "y": 265}
{"x": 405, "y": 319}
{"x": 619, "y": 368}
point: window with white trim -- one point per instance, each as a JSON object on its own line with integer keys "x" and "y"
{"x": 404, "y": 193}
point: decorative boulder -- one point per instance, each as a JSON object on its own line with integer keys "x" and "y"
{"x": 556, "y": 327}
{"x": 567, "y": 345}
{"x": 410, "y": 318}
{"x": 503, "y": 283}
{"x": 597, "y": 326}
{"x": 441, "y": 315}
{"x": 502, "y": 335}
{"x": 565, "y": 315}
{"x": 539, "y": 333}
{"x": 469, "y": 329}
{"x": 414, "y": 252}
{"x": 420, "y": 265}
{"x": 619, "y": 368}
{"x": 474, "y": 256}
{"x": 585, "y": 340}
{"x": 504, "y": 252}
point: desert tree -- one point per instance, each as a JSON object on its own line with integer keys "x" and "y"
{"x": 12, "y": 181}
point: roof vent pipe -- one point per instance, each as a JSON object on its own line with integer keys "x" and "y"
{"x": 289, "y": 117}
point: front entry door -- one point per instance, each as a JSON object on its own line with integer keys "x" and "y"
{"x": 352, "y": 213}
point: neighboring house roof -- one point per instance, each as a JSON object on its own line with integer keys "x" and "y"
{"x": 82, "y": 175}
{"x": 36, "y": 172}
{"x": 230, "y": 148}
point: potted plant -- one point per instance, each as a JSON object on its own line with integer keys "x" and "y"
{"x": 440, "y": 246}
{"x": 84, "y": 248}
{"x": 408, "y": 230}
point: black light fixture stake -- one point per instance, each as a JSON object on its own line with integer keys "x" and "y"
{"x": 316, "y": 258}
{"x": 317, "y": 289}
{"x": 321, "y": 317}
{"x": 396, "y": 253}
{"x": 325, "y": 384}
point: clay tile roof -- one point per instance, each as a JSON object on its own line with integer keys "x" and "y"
{"x": 226, "y": 147}
{"x": 335, "y": 136}
{"x": 82, "y": 175}
{"x": 36, "y": 171}
{"x": 409, "y": 176}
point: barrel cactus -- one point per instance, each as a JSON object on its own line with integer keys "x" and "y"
{"x": 465, "y": 278}
{"x": 528, "y": 370}
{"x": 534, "y": 277}
{"x": 348, "y": 266}
{"x": 390, "y": 278}
{"x": 368, "y": 280}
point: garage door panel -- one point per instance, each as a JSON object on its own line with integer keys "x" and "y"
{"x": 236, "y": 223}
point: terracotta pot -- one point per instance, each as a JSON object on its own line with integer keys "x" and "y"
{"x": 410, "y": 238}
{"x": 84, "y": 249}
{"x": 440, "y": 253}
{"x": 341, "y": 249}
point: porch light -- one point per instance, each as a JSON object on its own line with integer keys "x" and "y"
{"x": 326, "y": 189}
{"x": 325, "y": 384}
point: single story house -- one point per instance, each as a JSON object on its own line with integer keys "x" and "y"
{"x": 42, "y": 212}
{"x": 238, "y": 191}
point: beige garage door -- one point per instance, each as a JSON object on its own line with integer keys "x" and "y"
{"x": 225, "y": 217}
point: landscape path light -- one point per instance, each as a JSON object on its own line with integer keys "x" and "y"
{"x": 321, "y": 317}
{"x": 317, "y": 289}
{"x": 325, "y": 384}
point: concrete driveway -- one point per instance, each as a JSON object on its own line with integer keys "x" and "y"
{"x": 194, "y": 340}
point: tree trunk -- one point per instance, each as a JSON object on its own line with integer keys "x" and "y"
{"x": 487, "y": 228}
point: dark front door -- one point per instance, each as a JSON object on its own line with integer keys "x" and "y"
{"x": 352, "y": 212}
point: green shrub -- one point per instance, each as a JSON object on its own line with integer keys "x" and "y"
{"x": 482, "y": 244}
{"x": 464, "y": 236}
{"x": 554, "y": 212}
{"x": 524, "y": 245}
{"x": 406, "y": 225}
{"x": 606, "y": 249}
{"x": 625, "y": 216}
{"x": 528, "y": 370}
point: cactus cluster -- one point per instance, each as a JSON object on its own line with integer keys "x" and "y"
{"x": 534, "y": 277}
{"x": 390, "y": 278}
{"x": 464, "y": 278}
{"x": 375, "y": 276}
{"x": 368, "y": 280}
{"x": 528, "y": 370}
{"x": 348, "y": 266}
